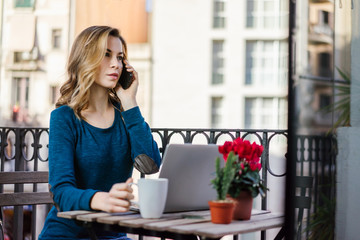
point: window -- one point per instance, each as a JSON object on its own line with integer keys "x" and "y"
{"x": 258, "y": 113}
{"x": 266, "y": 63}
{"x": 324, "y": 60}
{"x": 249, "y": 109}
{"x": 324, "y": 64}
{"x": 219, "y": 14}
{"x": 265, "y": 113}
{"x": 17, "y": 57}
{"x": 323, "y": 24}
{"x": 325, "y": 101}
{"x": 324, "y": 17}
{"x": 22, "y": 57}
{"x": 24, "y": 3}
{"x": 53, "y": 94}
{"x": 266, "y": 14}
{"x": 216, "y": 111}
{"x": 20, "y": 92}
{"x": 56, "y": 38}
{"x": 217, "y": 62}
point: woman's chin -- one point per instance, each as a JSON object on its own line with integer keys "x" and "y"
{"x": 111, "y": 85}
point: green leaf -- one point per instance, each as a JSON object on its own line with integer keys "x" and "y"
{"x": 342, "y": 105}
{"x": 224, "y": 176}
{"x": 322, "y": 222}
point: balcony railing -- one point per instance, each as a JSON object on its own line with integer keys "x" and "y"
{"x": 26, "y": 149}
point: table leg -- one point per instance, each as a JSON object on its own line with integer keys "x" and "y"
{"x": 281, "y": 234}
{"x": 89, "y": 229}
{"x": 92, "y": 234}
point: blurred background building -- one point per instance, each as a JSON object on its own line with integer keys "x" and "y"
{"x": 34, "y": 45}
{"x": 36, "y": 37}
{"x": 201, "y": 63}
{"x": 323, "y": 47}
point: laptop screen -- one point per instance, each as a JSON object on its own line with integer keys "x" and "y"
{"x": 189, "y": 168}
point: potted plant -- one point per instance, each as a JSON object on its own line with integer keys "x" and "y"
{"x": 222, "y": 208}
{"x": 247, "y": 183}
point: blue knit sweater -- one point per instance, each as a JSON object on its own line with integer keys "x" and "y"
{"x": 84, "y": 159}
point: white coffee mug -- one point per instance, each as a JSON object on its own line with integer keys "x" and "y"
{"x": 152, "y": 196}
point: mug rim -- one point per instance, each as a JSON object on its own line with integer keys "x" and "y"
{"x": 153, "y": 179}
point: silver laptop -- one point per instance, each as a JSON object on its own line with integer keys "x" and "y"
{"x": 189, "y": 168}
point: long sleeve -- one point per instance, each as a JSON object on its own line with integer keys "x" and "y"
{"x": 62, "y": 143}
{"x": 144, "y": 149}
{"x": 84, "y": 159}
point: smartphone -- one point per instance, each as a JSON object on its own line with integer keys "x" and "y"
{"x": 125, "y": 79}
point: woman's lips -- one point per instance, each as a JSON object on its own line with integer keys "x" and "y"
{"x": 114, "y": 75}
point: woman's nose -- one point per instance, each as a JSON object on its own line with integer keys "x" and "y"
{"x": 115, "y": 63}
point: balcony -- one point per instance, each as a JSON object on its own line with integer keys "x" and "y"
{"x": 26, "y": 149}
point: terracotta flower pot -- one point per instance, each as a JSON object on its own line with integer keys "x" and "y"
{"x": 221, "y": 211}
{"x": 243, "y": 205}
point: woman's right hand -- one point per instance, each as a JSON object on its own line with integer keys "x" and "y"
{"x": 128, "y": 96}
{"x": 116, "y": 200}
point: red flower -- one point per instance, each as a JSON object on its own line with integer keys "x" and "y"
{"x": 226, "y": 149}
{"x": 254, "y": 152}
{"x": 246, "y": 151}
{"x": 242, "y": 165}
{"x": 258, "y": 149}
{"x": 243, "y": 149}
{"x": 253, "y": 166}
{"x": 259, "y": 166}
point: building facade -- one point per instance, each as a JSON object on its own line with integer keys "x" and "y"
{"x": 323, "y": 48}
{"x": 35, "y": 43}
{"x": 220, "y": 64}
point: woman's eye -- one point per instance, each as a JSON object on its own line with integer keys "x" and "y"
{"x": 120, "y": 58}
{"x": 107, "y": 54}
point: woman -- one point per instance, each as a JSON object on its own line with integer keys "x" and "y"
{"x": 97, "y": 134}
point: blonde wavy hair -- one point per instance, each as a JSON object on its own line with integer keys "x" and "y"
{"x": 86, "y": 54}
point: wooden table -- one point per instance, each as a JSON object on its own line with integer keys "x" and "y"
{"x": 182, "y": 225}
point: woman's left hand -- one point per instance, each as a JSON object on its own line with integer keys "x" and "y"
{"x": 116, "y": 200}
{"x": 128, "y": 96}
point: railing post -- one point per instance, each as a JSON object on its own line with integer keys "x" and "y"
{"x": 3, "y": 145}
{"x": 265, "y": 164}
{"x": 212, "y": 136}
{"x": 188, "y": 136}
{"x": 36, "y": 146}
{"x": 165, "y": 140}
{"x": 19, "y": 166}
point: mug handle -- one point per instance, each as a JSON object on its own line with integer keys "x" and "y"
{"x": 134, "y": 205}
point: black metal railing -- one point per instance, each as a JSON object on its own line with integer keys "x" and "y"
{"x": 27, "y": 149}
{"x": 316, "y": 157}
{"x": 22, "y": 149}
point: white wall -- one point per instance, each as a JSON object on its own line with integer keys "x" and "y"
{"x": 140, "y": 59}
{"x": 348, "y": 164}
{"x": 348, "y": 195}
{"x": 181, "y": 62}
